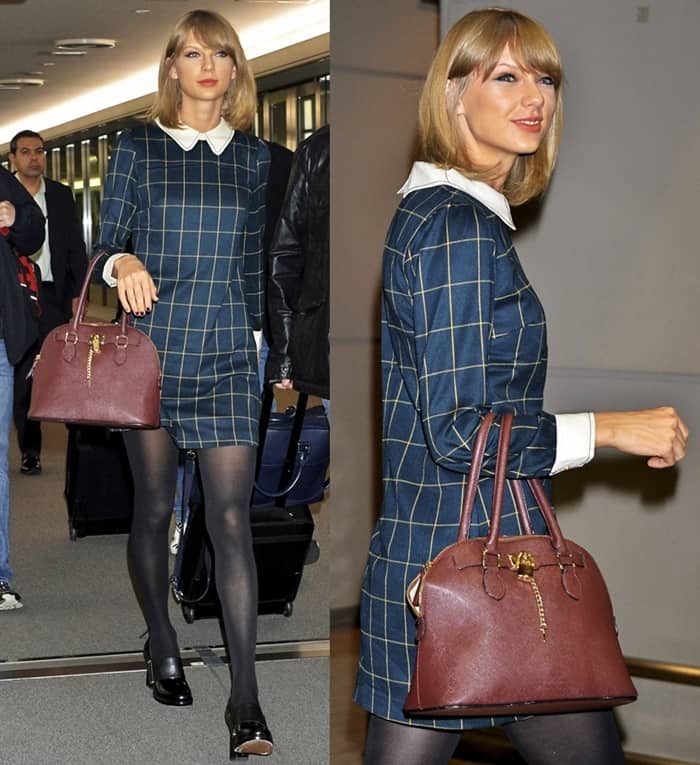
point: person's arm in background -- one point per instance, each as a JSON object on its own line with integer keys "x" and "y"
{"x": 21, "y": 218}
{"x": 286, "y": 269}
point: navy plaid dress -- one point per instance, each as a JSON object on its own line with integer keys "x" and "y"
{"x": 196, "y": 221}
{"x": 462, "y": 333}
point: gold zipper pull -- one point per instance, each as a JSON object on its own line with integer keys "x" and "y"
{"x": 95, "y": 344}
{"x": 524, "y": 565}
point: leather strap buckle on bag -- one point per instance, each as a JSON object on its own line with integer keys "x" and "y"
{"x": 513, "y": 625}
{"x": 485, "y": 558}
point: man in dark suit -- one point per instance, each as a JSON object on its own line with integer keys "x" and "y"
{"x": 63, "y": 263}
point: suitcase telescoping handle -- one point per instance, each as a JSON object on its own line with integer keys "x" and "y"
{"x": 293, "y": 462}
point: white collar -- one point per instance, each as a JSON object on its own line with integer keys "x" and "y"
{"x": 186, "y": 137}
{"x": 423, "y": 175}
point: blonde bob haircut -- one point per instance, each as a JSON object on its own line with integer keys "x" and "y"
{"x": 214, "y": 31}
{"x": 472, "y": 48}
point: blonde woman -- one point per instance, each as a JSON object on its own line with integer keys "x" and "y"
{"x": 187, "y": 189}
{"x": 463, "y": 333}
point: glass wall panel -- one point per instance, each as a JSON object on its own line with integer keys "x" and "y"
{"x": 83, "y": 183}
{"x": 277, "y": 111}
{"x": 306, "y": 116}
{"x": 324, "y": 99}
{"x": 54, "y": 165}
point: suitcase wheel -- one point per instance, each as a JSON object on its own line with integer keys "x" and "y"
{"x": 288, "y": 608}
{"x": 313, "y": 553}
{"x": 188, "y": 612}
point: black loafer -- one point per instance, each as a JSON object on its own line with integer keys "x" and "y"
{"x": 248, "y": 731}
{"x": 167, "y": 679}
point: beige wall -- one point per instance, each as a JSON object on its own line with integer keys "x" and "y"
{"x": 380, "y": 53}
{"x": 612, "y": 252}
{"x": 614, "y": 257}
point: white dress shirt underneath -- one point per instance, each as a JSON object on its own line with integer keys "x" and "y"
{"x": 575, "y": 432}
{"x": 42, "y": 257}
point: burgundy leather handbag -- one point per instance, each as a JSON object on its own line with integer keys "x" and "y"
{"x": 96, "y": 374}
{"x": 513, "y": 625}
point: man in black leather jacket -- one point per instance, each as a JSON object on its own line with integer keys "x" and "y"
{"x": 297, "y": 290}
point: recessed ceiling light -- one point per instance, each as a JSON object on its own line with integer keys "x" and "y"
{"x": 68, "y": 53}
{"x": 142, "y": 10}
{"x": 278, "y": 2}
{"x": 21, "y": 82}
{"x": 49, "y": 63}
{"x": 84, "y": 43}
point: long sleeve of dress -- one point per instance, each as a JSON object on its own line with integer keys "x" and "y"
{"x": 478, "y": 336}
{"x": 253, "y": 267}
{"x": 120, "y": 201}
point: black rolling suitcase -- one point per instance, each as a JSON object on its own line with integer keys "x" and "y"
{"x": 282, "y": 534}
{"x": 98, "y": 490}
{"x": 282, "y": 545}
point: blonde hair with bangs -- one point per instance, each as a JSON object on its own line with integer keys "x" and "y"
{"x": 214, "y": 31}
{"x": 472, "y": 47}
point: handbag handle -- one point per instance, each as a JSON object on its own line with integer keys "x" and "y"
{"x": 520, "y": 505}
{"x": 555, "y": 532}
{"x": 79, "y": 315}
{"x": 473, "y": 477}
{"x": 302, "y": 456}
{"x": 499, "y": 482}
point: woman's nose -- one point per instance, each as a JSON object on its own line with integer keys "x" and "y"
{"x": 532, "y": 93}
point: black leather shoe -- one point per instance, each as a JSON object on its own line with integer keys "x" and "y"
{"x": 31, "y": 465}
{"x": 167, "y": 680}
{"x": 248, "y": 731}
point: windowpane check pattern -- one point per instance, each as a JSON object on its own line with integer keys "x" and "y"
{"x": 196, "y": 221}
{"x": 463, "y": 332}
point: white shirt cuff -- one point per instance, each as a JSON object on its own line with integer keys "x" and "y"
{"x": 107, "y": 269}
{"x": 575, "y": 441}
